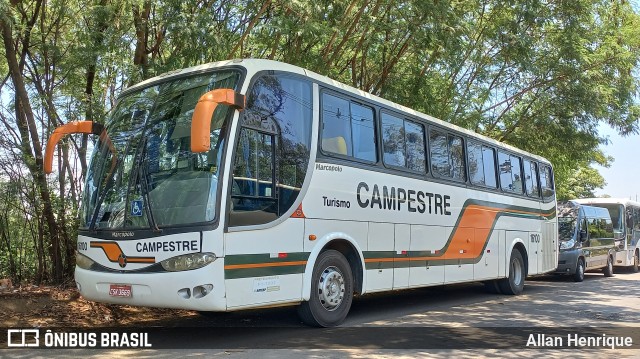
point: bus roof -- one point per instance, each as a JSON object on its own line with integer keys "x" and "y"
{"x": 256, "y": 65}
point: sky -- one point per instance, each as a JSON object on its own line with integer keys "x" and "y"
{"x": 623, "y": 176}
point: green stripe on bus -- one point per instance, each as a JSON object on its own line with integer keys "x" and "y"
{"x": 262, "y": 271}
{"x": 236, "y": 259}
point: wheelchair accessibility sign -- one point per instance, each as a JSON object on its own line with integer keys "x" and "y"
{"x": 136, "y": 208}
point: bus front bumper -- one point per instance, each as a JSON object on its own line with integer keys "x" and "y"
{"x": 200, "y": 289}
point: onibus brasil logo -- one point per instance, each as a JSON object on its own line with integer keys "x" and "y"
{"x": 32, "y": 338}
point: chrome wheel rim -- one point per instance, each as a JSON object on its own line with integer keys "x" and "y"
{"x": 516, "y": 270}
{"x": 331, "y": 288}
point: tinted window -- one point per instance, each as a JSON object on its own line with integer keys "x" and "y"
{"x": 336, "y": 126}
{"x": 403, "y": 143}
{"x": 546, "y": 181}
{"x": 415, "y": 146}
{"x": 516, "y": 174}
{"x": 439, "y": 153}
{"x": 489, "y": 160}
{"x": 347, "y": 128}
{"x": 510, "y": 174}
{"x": 272, "y": 151}
{"x": 364, "y": 137}
{"x": 393, "y": 139}
{"x": 476, "y": 165}
{"x": 481, "y": 165}
{"x": 447, "y": 155}
{"x": 531, "y": 178}
{"x": 456, "y": 149}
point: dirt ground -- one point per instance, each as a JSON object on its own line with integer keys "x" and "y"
{"x": 33, "y": 306}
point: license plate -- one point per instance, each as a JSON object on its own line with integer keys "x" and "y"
{"x": 120, "y": 290}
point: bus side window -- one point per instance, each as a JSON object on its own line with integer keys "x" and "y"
{"x": 272, "y": 150}
{"x": 456, "y": 151}
{"x": 447, "y": 155}
{"x": 403, "y": 143}
{"x": 510, "y": 172}
{"x": 348, "y": 128}
{"x": 439, "y": 153}
{"x": 546, "y": 181}
{"x": 531, "y": 178}
{"x": 482, "y": 164}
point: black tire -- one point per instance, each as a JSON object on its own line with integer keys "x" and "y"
{"x": 328, "y": 306}
{"x": 578, "y": 276}
{"x": 634, "y": 266}
{"x": 514, "y": 283}
{"x": 608, "y": 270}
{"x": 491, "y": 286}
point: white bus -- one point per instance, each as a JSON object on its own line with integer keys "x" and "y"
{"x": 625, "y": 215}
{"x": 306, "y": 191}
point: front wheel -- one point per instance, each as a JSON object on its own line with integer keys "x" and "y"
{"x": 514, "y": 283}
{"x": 331, "y": 291}
{"x": 608, "y": 270}
{"x": 579, "y": 275}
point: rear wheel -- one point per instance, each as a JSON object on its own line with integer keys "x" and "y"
{"x": 608, "y": 270}
{"x": 579, "y": 275}
{"x": 331, "y": 291}
{"x": 514, "y": 283}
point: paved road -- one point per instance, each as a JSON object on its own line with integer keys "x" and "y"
{"x": 547, "y": 302}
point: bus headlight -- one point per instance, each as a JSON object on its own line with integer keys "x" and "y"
{"x": 83, "y": 261}
{"x": 188, "y": 261}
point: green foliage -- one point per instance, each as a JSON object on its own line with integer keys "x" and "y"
{"x": 580, "y": 184}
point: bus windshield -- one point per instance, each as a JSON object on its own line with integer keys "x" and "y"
{"x": 147, "y": 176}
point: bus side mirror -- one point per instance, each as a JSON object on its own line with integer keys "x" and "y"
{"x": 87, "y": 127}
{"x": 201, "y": 119}
{"x": 583, "y": 235}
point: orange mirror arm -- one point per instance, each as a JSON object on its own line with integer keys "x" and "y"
{"x": 88, "y": 127}
{"x": 201, "y": 119}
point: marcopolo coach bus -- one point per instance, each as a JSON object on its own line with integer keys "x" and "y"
{"x": 254, "y": 183}
{"x": 625, "y": 215}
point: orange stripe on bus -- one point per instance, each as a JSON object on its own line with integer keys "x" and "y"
{"x": 476, "y": 222}
{"x": 111, "y": 249}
